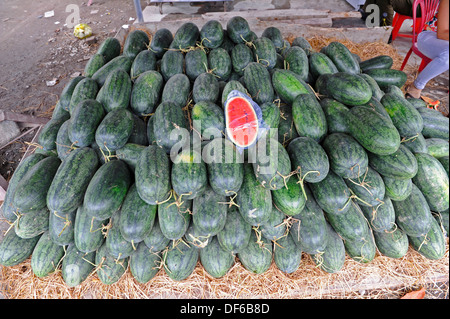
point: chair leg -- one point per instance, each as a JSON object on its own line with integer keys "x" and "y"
{"x": 406, "y": 59}
{"x": 396, "y": 24}
{"x": 423, "y": 64}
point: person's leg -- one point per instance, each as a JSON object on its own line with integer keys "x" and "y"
{"x": 438, "y": 51}
{"x": 403, "y": 7}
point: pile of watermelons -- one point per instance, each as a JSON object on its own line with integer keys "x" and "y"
{"x": 358, "y": 168}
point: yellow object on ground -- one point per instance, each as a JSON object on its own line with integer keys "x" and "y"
{"x": 82, "y": 31}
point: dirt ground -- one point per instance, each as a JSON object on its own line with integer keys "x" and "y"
{"x": 35, "y": 49}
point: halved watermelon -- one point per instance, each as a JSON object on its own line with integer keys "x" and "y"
{"x": 242, "y": 119}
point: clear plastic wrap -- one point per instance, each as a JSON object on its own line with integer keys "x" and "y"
{"x": 243, "y": 128}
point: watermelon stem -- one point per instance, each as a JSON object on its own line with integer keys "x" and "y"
{"x": 11, "y": 225}
{"x": 412, "y": 138}
{"x": 259, "y": 240}
{"x": 104, "y": 228}
{"x": 424, "y": 241}
{"x": 186, "y": 50}
{"x": 247, "y": 43}
{"x": 231, "y": 202}
{"x": 375, "y": 212}
{"x": 149, "y": 45}
{"x": 258, "y": 61}
{"x": 171, "y": 192}
{"x": 315, "y": 93}
{"x": 67, "y": 222}
{"x": 108, "y": 157}
{"x": 162, "y": 259}
{"x": 392, "y": 231}
{"x": 319, "y": 259}
{"x": 36, "y": 145}
{"x": 211, "y": 71}
{"x": 362, "y": 258}
{"x": 70, "y": 147}
{"x": 362, "y": 183}
{"x": 201, "y": 46}
{"x": 301, "y": 178}
{"x": 197, "y": 241}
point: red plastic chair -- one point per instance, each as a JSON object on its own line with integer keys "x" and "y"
{"x": 428, "y": 8}
{"x": 397, "y": 24}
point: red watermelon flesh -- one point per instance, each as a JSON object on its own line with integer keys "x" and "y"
{"x": 241, "y": 122}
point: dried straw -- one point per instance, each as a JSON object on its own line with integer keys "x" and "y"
{"x": 376, "y": 280}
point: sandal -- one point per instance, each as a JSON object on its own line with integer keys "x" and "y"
{"x": 409, "y": 95}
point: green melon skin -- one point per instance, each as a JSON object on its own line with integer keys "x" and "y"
{"x": 107, "y": 189}
{"x": 342, "y": 58}
{"x": 392, "y": 243}
{"x": 76, "y": 266}
{"x": 61, "y": 227}
{"x": 361, "y": 250}
{"x": 120, "y": 62}
{"x": 332, "y": 259}
{"x": 332, "y": 194}
{"x": 235, "y": 235}
{"x": 84, "y": 122}
{"x": 216, "y": 260}
{"x": 310, "y": 232}
{"x": 431, "y": 245}
{"x": 413, "y": 214}
{"x": 152, "y": 176}
{"x": 116, "y": 91}
{"x": 14, "y": 249}
{"x": 433, "y": 181}
{"x": 309, "y": 118}
{"x": 309, "y": 158}
{"x": 381, "y": 217}
{"x": 350, "y": 225}
{"x": 180, "y": 261}
{"x": 256, "y": 257}
{"x": 272, "y": 174}
{"x": 349, "y": 89}
{"x": 290, "y": 200}
{"x": 170, "y": 126}
{"x": 114, "y": 130}
{"x": 146, "y": 92}
{"x": 373, "y": 131}
{"x": 348, "y": 158}
{"x": 209, "y": 212}
{"x": 144, "y": 263}
{"x": 402, "y": 164}
{"x": 46, "y": 256}
{"x": 255, "y": 202}
{"x": 31, "y": 192}
{"x": 225, "y": 167}
{"x": 110, "y": 269}
{"x": 287, "y": 255}
{"x": 212, "y": 34}
{"x": 32, "y": 224}
{"x": 136, "y": 41}
{"x": 155, "y": 240}
{"x": 136, "y": 217}
{"x": 71, "y": 180}
{"x": 173, "y": 220}
{"x": 369, "y": 188}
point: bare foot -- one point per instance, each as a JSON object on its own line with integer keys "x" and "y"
{"x": 413, "y": 91}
